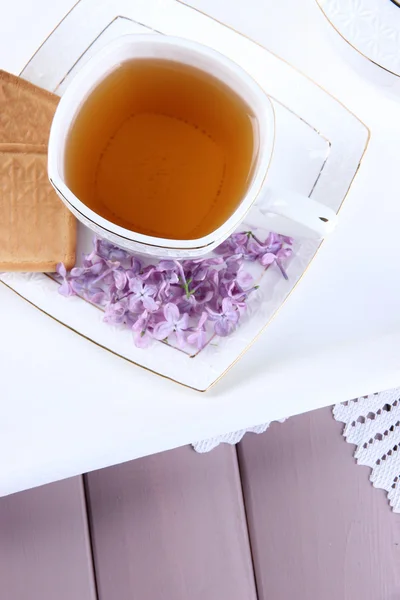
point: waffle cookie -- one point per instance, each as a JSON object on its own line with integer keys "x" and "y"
{"x": 26, "y": 111}
{"x": 36, "y": 230}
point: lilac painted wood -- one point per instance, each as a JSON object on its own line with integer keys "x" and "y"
{"x": 44, "y": 544}
{"x": 318, "y": 528}
{"x": 171, "y": 527}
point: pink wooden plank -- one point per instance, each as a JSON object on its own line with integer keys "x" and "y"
{"x": 171, "y": 526}
{"x": 318, "y": 528}
{"x": 44, "y": 544}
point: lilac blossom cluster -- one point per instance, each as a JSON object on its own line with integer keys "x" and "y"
{"x": 180, "y": 299}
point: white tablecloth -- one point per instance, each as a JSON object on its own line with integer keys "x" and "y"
{"x": 67, "y": 407}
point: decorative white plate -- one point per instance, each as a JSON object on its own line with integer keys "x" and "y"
{"x": 372, "y": 28}
{"x": 319, "y": 147}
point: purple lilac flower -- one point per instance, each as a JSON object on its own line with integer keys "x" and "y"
{"x": 199, "y": 335}
{"x": 115, "y": 312}
{"x": 281, "y": 255}
{"x": 144, "y": 293}
{"x": 85, "y": 288}
{"x": 120, "y": 279}
{"x": 174, "y": 323}
{"x": 235, "y": 244}
{"x": 244, "y": 279}
{"x": 272, "y": 244}
{"x": 141, "y": 335}
{"x": 226, "y": 319}
{"x": 65, "y": 288}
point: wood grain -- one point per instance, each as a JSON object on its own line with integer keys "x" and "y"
{"x": 171, "y": 526}
{"x": 318, "y": 528}
{"x": 44, "y": 544}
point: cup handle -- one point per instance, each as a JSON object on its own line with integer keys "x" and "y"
{"x": 316, "y": 217}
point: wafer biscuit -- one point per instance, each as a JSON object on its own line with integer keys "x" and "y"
{"x": 36, "y": 230}
{"x": 26, "y": 111}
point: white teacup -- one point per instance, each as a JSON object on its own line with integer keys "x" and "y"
{"x": 316, "y": 219}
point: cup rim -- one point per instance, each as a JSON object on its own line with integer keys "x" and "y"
{"x": 58, "y": 137}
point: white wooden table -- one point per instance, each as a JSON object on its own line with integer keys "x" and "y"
{"x": 67, "y": 407}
